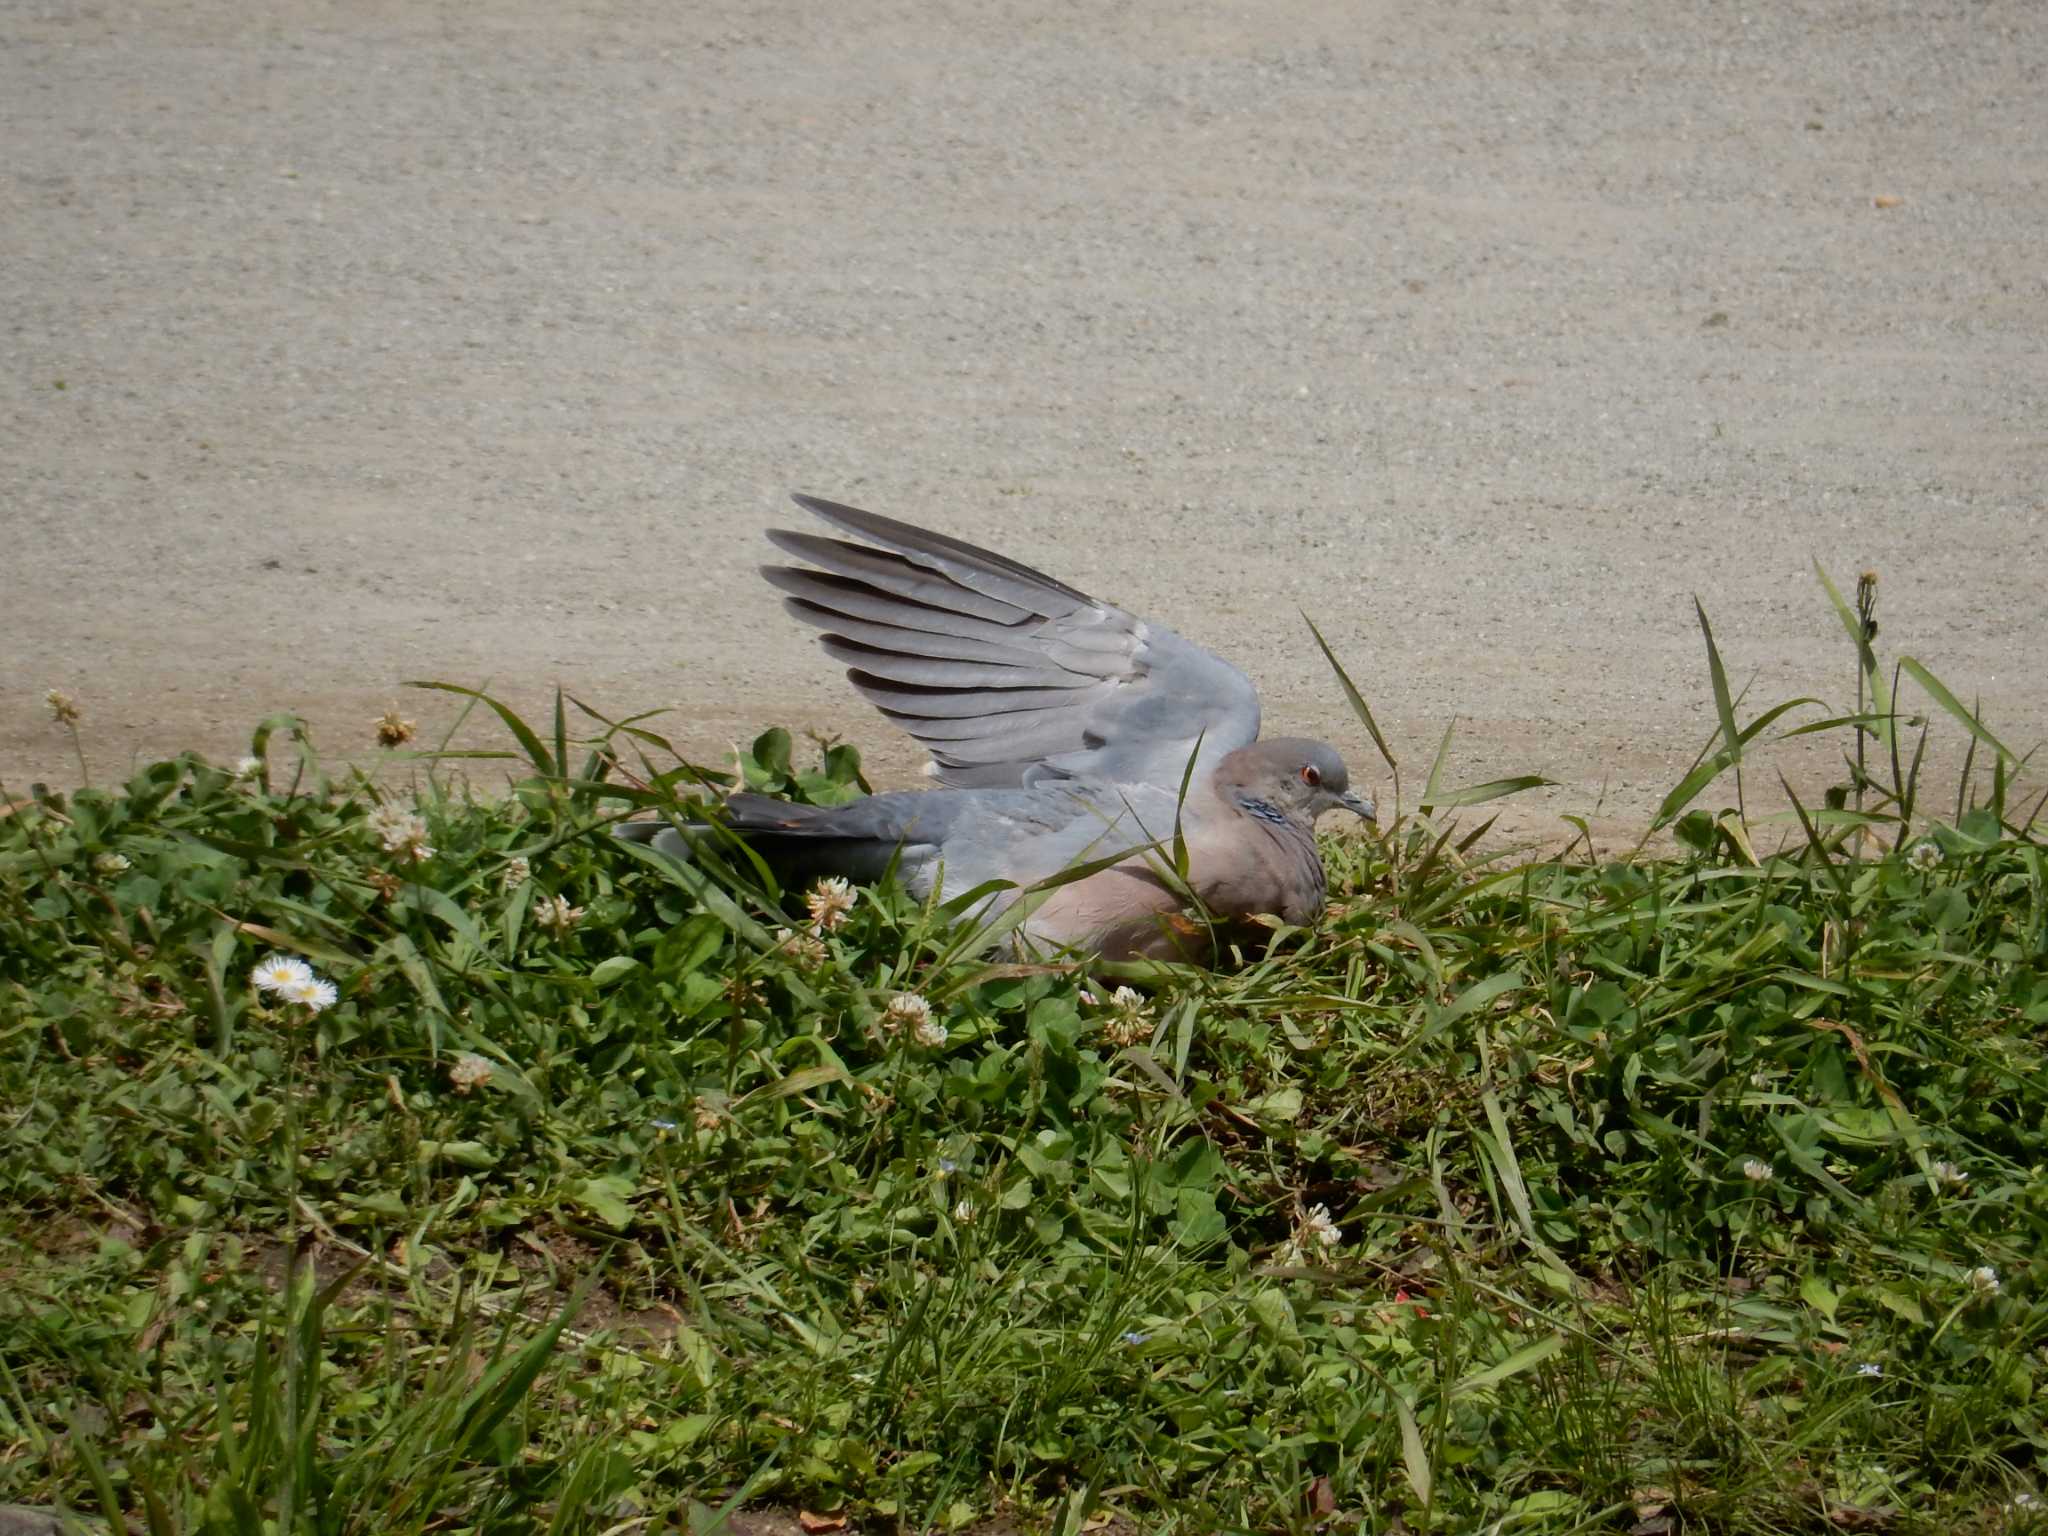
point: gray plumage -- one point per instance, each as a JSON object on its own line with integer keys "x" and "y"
{"x": 1061, "y": 729}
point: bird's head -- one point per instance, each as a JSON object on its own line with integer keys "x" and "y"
{"x": 1292, "y": 777}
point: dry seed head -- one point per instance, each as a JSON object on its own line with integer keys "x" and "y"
{"x": 392, "y": 729}
{"x": 63, "y": 707}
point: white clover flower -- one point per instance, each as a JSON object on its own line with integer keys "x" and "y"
{"x": 930, "y": 1034}
{"x": 312, "y": 993}
{"x": 1984, "y": 1280}
{"x": 556, "y": 913}
{"x": 829, "y": 902}
{"x": 110, "y": 864}
{"x": 964, "y": 1213}
{"x": 1128, "y": 1023}
{"x": 1869, "y": 1368}
{"x": 276, "y": 972}
{"x": 1757, "y": 1171}
{"x": 806, "y": 949}
{"x": 1318, "y": 1228}
{"x": 517, "y": 872}
{"x": 1948, "y": 1176}
{"x": 469, "y": 1071}
{"x": 1925, "y": 855}
{"x": 400, "y": 831}
{"x": 248, "y": 768}
{"x": 906, "y": 1010}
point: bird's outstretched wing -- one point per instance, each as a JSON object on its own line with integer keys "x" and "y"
{"x": 1007, "y": 676}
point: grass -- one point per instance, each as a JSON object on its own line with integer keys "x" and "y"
{"x": 1693, "y": 1192}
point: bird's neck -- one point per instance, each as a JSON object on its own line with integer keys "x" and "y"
{"x": 1248, "y": 804}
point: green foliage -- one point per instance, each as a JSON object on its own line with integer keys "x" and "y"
{"x": 1670, "y": 1190}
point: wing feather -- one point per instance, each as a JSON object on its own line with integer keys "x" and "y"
{"x": 1007, "y": 676}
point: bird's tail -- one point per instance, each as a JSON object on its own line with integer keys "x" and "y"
{"x": 799, "y": 843}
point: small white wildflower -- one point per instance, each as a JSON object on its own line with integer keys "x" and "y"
{"x": 1318, "y": 1228}
{"x": 1128, "y": 1023}
{"x": 400, "y": 831}
{"x": 1984, "y": 1280}
{"x": 1948, "y": 1176}
{"x": 1132, "y": 1339}
{"x": 906, "y": 1010}
{"x": 1869, "y": 1368}
{"x": 2026, "y": 1501}
{"x": 110, "y": 864}
{"x": 556, "y": 913}
{"x": 276, "y": 972}
{"x": 517, "y": 872}
{"x": 1925, "y": 855}
{"x": 469, "y": 1071}
{"x": 806, "y": 949}
{"x": 1757, "y": 1171}
{"x": 312, "y": 993}
{"x": 248, "y": 768}
{"x": 829, "y": 902}
{"x": 63, "y": 707}
{"x": 929, "y": 1034}
{"x": 1760, "y": 1080}
{"x": 963, "y": 1213}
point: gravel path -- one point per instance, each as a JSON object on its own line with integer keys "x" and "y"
{"x": 346, "y": 344}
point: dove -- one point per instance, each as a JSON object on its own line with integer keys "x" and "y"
{"x": 1063, "y": 732}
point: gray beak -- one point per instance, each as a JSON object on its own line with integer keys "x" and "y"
{"x": 1359, "y": 805}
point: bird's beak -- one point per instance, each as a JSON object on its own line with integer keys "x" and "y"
{"x": 1359, "y": 805}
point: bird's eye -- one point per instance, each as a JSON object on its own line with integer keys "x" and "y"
{"x": 1311, "y": 775}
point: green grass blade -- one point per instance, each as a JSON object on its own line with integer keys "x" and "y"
{"x": 1938, "y": 691}
{"x": 1358, "y": 705}
{"x": 1724, "y": 704}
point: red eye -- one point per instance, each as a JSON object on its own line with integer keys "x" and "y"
{"x": 1311, "y": 775}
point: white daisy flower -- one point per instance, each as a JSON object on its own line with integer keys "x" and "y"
{"x": 312, "y": 993}
{"x": 276, "y": 972}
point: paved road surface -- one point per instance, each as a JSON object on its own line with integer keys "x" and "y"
{"x": 342, "y": 344}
